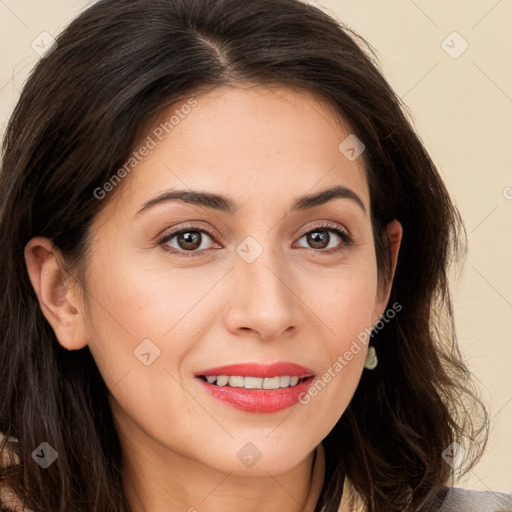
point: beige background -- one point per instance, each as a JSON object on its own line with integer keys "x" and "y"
{"x": 462, "y": 108}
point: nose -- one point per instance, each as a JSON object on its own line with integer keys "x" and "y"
{"x": 263, "y": 298}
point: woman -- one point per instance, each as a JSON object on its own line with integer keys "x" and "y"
{"x": 224, "y": 282}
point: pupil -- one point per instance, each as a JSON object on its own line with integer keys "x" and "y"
{"x": 318, "y": 238}
{"x": 191, "y": 240}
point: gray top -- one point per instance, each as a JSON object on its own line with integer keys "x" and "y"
{"x": 469, "y": 500}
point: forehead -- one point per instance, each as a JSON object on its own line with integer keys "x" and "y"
{"x": 269, "y": 143}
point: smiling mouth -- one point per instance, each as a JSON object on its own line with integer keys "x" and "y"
{"x": 266, "y": 393}
{"x": 247, "y": 382}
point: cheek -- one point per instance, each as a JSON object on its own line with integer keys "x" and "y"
{"x": 131, "y": 304}
{"x": 351, "y": 318}
{"x": 139, "y": 338}
{"x": 345, "y": 302}
{"x": 346, "y": 307}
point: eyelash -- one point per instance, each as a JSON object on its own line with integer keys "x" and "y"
{"x": 347, "y": 239}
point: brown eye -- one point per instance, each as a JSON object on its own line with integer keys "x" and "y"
{"x": 189, "y": 240}
{"x": 318, "y": 239}
{"x": 321, "y": 237}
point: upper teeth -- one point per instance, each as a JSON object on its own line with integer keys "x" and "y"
{"x": 253, "y": 382}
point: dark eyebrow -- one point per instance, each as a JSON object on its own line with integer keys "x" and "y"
{"x": 226, "y": 204}
{"x": 339, "y": 191}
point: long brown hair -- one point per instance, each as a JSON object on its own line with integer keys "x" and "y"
{"x": 80, "y": 115}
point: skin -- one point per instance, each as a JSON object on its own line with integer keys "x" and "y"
{"x": 294, "y": 303}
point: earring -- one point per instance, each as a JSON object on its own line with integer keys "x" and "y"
{"x": 371, "y": 358}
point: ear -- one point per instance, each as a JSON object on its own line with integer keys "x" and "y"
{"x": 394, "y": 233}
{"x": 60, "y": 304}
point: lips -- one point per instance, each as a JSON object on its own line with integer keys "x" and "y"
{"x": 256, "y": 400}
{"x": 259, "y": 370}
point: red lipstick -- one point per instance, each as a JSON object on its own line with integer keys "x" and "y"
{"x": 258, "y": 400}
{"x": 259, "y": 370}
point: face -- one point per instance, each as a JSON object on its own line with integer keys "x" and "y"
{"x": 178, "y": 288}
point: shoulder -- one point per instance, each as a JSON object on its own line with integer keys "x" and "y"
{"x": 469, "y": 500}
{"x": 8, "y": 457}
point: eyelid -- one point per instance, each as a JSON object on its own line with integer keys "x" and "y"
{"x": 326, "y": 225}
